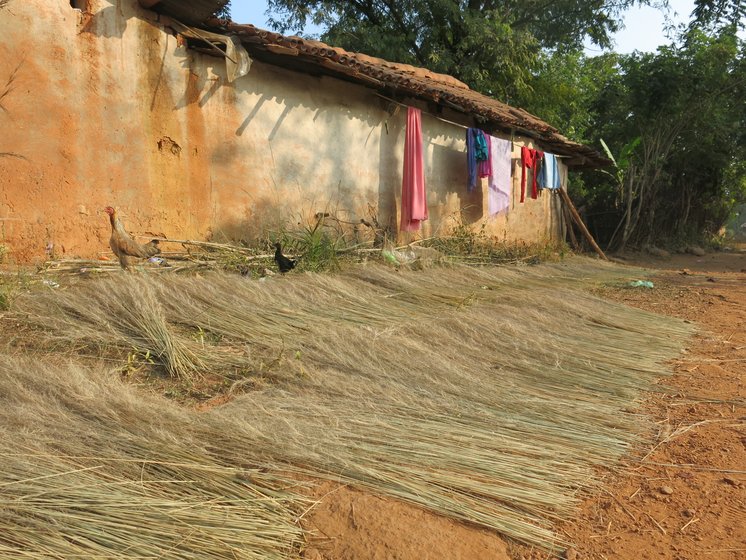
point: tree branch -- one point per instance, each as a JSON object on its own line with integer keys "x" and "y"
{"x": 405, "y": 30}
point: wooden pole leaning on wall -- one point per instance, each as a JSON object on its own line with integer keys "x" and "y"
{"x": 567, "y": 222}
{"x": 576, "y": 218}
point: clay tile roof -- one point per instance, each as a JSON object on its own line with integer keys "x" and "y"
{"x": 405, "y": 80}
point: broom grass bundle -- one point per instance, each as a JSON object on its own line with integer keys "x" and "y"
{"x": 121, "y": 314}
{"x": 488, "y": 395}
{"x": 89, "y": 468}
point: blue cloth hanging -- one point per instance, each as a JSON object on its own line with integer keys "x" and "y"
{"x": 476, "y": 151}
{"x": 549, "y": 174}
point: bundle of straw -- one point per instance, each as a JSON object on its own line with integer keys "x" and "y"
{"x": 121, "y": 313}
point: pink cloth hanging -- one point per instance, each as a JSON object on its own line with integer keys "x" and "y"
{"x": 500, "y": 183}
{"x": 413, "y": 197}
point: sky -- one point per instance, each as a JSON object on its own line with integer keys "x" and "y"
{"x": 644, "y": 26}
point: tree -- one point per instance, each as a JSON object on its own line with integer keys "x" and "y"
{"x": 716, "y": 14}
{"x": 685, "y": 105}
{"x": 493, "y": 45}
{"x": 564, "y": 88}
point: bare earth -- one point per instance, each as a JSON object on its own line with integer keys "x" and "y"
{"x": 682, "y": 499}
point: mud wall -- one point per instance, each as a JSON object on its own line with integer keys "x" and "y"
{"x": 105, "y": 106}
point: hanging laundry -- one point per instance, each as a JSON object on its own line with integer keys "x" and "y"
{"x": 484, "y": 168}
{"x": 538, "y": 162}
{"x": 413, "y": 196}
{"x": 471, "y": 161}
{"x": 481, "y": 144}
{"x": 476, "y": 151}
{"x": 500, "y": 183}
{"x": 549, "y": 174}
{"x": 530, "y": 159}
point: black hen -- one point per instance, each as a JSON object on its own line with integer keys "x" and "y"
{"x": 283, "y": 263}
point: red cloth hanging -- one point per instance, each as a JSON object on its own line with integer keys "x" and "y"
{"x": 413, "y": 196}
{"x": 531, "y": 159}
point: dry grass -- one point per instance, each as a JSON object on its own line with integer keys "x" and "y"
{"x": 119, "y": 313}
{"x": 487, "y": 395}
{"x": 90, "y": 468}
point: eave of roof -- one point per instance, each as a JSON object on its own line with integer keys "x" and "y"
{"x": 192, "y": 12}
{"x": 403, "y": 80}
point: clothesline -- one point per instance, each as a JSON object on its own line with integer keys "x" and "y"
{"x": 486, "y": 156}
{"x": 425, "y": 112}
{"x": 512, "y": 132}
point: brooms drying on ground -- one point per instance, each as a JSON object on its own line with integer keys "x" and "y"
{"x": 488, "y": 395}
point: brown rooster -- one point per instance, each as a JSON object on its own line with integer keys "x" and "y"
{"x": 124, "y": 246}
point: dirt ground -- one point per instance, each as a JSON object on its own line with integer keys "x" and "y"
{"x": 684, "y": 498}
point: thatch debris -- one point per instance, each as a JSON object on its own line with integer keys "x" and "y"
{"x": 325, "y": 245}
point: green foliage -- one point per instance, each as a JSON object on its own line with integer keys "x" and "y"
{"x": 11, "y": 287}
{"x": 564, "y": 87}
{"x": 232, "y": 261}
{"x": 622, "y": 172}
{"x": 719, "y": 14}
{"x": 495, "y": 46}
{"x": 670, "y": 120}
{"x": 318, "y": 250}
{"x": 674, "y": 117}
{"x": 464, "y": 240}
{"x": 622, "y": 162}
{"x": 137, "y": 360}
{"x": 5, "y": 299}
{"x": 316, "y": 245}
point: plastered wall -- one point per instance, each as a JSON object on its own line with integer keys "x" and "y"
{"x": 106, "y": 107}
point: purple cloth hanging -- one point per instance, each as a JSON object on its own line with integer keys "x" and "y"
{"x": 500, "y": 183}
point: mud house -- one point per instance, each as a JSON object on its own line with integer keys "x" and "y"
{"x": 199, "y": 128}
